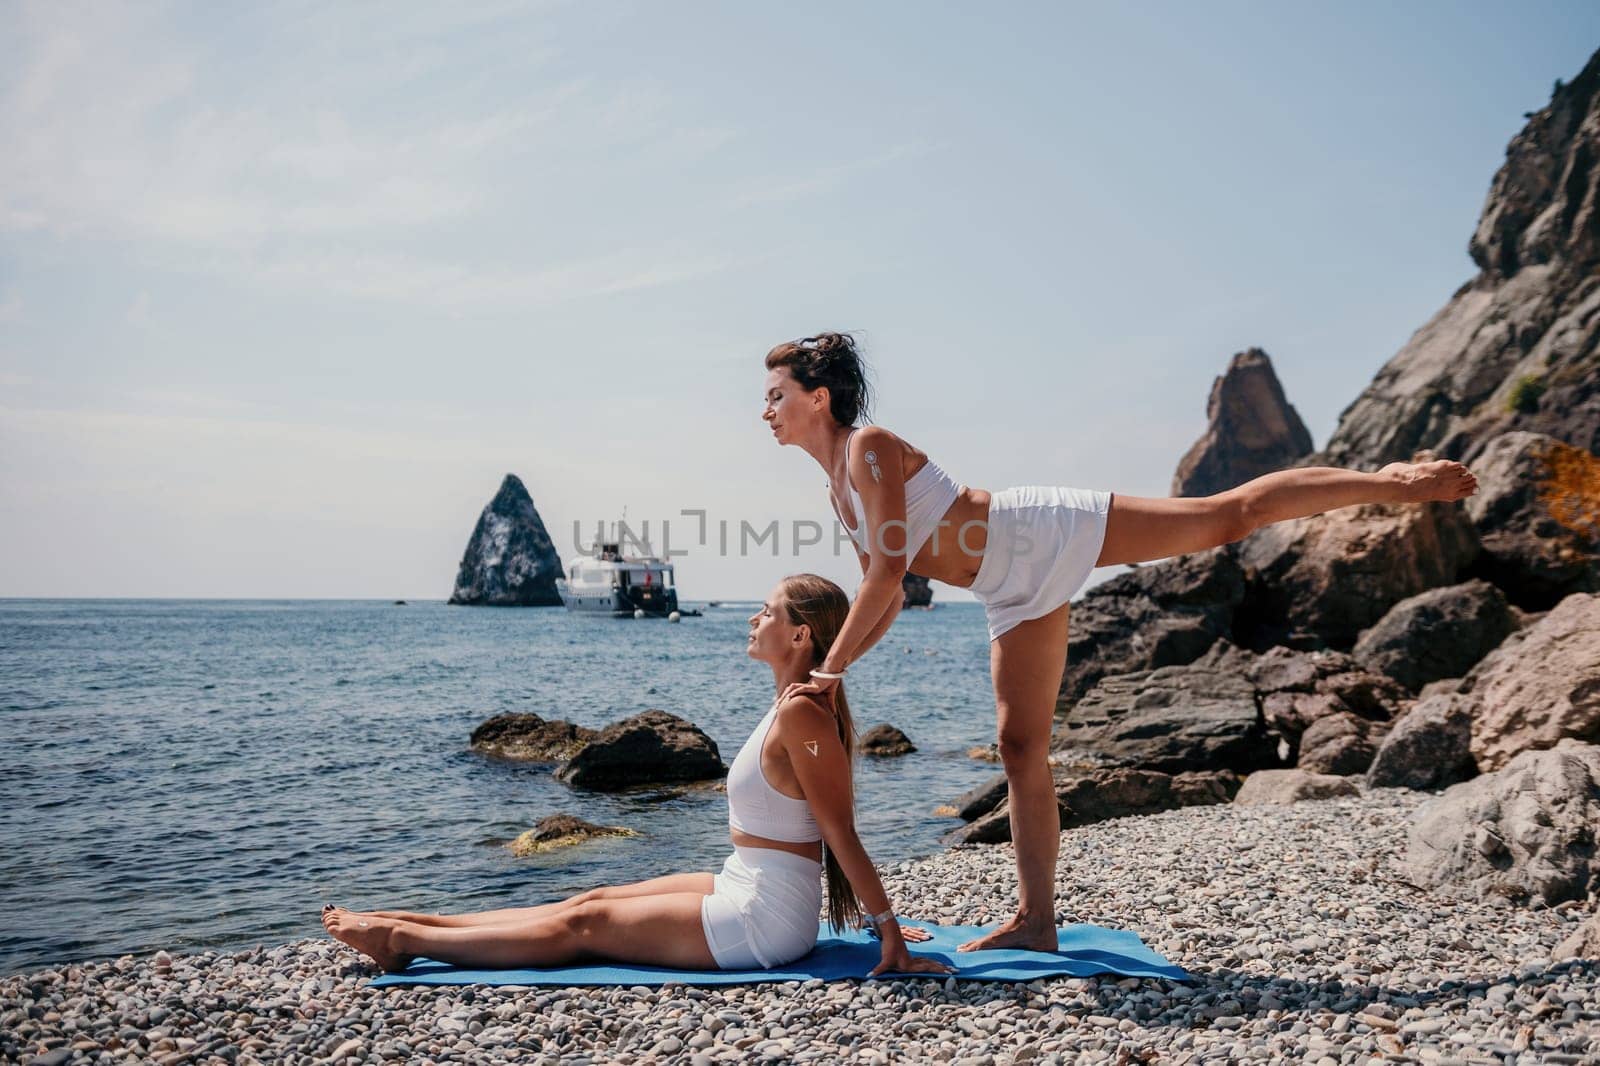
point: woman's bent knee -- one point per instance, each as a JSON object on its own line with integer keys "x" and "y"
{"x": 1020, "y": 749}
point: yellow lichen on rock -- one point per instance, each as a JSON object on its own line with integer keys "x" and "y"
{"x": 1571, "y": 493}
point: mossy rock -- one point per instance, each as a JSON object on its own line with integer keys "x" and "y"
{"x": 562, "y": 831}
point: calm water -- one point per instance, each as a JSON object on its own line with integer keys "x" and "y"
{"x": 189, "y": 774}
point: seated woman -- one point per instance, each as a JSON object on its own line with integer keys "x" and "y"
{"x": 789, "y": 794}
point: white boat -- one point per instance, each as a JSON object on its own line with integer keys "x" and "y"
{"x": 609, "y": 583}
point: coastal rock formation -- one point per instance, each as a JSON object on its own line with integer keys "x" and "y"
{"x": 1283, "y": 787}
{"x": 529, "y": 738}
{"x": 1524, "y": 832}
{"x": 1537, "y": 511}
{"x": 648, "y": 749}
{"x": 1165, "y": 614}
{"x": 917, "y": 591}
{"x": 885, "y": 740}
{"x": 1515, "y": 347}
{"x": 509, "y": 561}
{"x": 1251, "y": 430}
{"x": 1440, "y": 633}
{"x": 1172, "y": 719}
{"x": 562, "y": 831}
{"x": 1539, "y": 686}
{"x": 1321, "y": 580}
{"x": 1340, "y": 743}
{"x": 1429, "y": 747}
{"x": 1295, "y": 689}
{"x": 1088, "y": 796}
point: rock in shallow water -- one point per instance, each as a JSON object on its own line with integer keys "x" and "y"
{"x": 650, "y": 748}
{"x": 561, "y": 831}
{"x": 529, "y": 738}
{"x": 885, "y": 740}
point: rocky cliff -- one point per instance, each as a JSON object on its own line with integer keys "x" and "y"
{"x": 1252, "y": 429}
{"x": 1518, "y": 346}
{"x": 509, "y": 561}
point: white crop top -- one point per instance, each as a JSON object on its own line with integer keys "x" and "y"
{"x": 754, "y": 806}
{"x": 929, "y": 494}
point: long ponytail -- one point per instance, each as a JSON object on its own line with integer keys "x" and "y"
{"x": 819, "y": 603}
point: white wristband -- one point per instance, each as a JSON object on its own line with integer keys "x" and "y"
{"x": 824, "y": 673}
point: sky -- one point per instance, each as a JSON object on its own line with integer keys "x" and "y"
{"x": 287, "y": 289}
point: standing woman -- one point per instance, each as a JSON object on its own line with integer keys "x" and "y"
{"x": 1023, "y": 552}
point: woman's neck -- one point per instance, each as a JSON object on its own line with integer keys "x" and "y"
{"x": 788, "y": 674}
{"x": 829, "y": 449}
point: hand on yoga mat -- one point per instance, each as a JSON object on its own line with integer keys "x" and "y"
{"x": 908, "y": 932}
{"x": 902, "y": 961}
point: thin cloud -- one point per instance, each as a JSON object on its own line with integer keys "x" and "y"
{"x": 831, "y": 177}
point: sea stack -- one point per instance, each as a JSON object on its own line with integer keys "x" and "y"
{"x": 510, "y": 560}
{"x": 1251, "y": 430}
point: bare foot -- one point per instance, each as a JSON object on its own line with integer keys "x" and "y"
{"x": 1028, "y": 934}
{"x": 368, "y": 934}
{"x": 1441, "y": 479}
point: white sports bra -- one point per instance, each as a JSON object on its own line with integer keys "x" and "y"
{"x": 754, "y": 806}
{"x": 929, "y": 494}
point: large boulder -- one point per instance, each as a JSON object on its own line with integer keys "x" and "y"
{"x": 529, "y": 738}
{"x": 885, "y": 740}
{"x": 1340, "y": 743}
{"x": 652, "y": 748}
{"x": 1283, "y": 787}
{"x": 1084, "y": 797}
{"x": 1540, "y": 685}
{"x": 1537, "y": 511}
{"x": 1528, "y": 831}
{"x": 1172, "y": 719}
{"x": 510, "y": 560}
{"x": 1514, "y": 348}
{"x": 1251, "y": 429}
{"x": 1323, "y": 579}
{"x": 1164, "y": 614}
{"x": 1429, "y": 747}
{"x": 1440, "y": 633}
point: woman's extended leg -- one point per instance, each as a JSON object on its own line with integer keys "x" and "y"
{"x": 1143, "y": 528}
{"x": 660, "y": 930}
{"x": 1027, "y": 662}
{"x": 656, "y": 886}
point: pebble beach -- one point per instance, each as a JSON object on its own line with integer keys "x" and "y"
{"x": 1302, "y": 939}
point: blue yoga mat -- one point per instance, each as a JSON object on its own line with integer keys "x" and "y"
{"x": 1085, "y": 950}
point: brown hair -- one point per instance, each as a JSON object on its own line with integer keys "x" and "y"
{"x": 830, "y": 359}
{"x": 817, "y": 602}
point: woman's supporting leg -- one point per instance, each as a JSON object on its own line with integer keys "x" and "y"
{"x": 660, "y": 930}
{"x": 656, "y": 886}
{"x": 1140, "y": 529}
{"x": 1026, "y": 663}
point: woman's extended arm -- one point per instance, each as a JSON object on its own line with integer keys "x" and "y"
{"x": 810, "y": 736}
{"x": 882, "y": 487}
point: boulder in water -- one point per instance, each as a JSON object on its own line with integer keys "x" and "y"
{"x": 529, "y": 738}
{"x": 885, "y": 740}
{"x": 652, "y": 748}
{"x": 562, "y": 831}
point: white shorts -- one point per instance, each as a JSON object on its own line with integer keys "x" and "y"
{"x": 1043, "y": 541}
{"x": 764, "y": 909}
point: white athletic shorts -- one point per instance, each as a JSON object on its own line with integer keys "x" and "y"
{"x": 1043, "y": 541}
{"x": 764, "y": 909}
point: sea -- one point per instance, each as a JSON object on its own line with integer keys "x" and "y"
{"x": 205, "y": 774}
